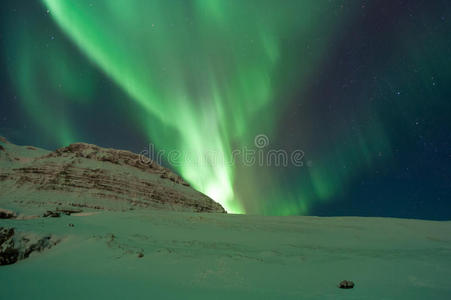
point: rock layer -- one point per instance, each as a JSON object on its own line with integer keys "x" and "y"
{"x": 89, "y": 176}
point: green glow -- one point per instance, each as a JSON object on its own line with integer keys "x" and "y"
{"x": 210, "y": 98}
{"x": 208, "y": 76}
{"x": 43, "y": 98}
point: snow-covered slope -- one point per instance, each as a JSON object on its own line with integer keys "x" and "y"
{"x": 181, "y": 255}
{"x": 33, "y": 180}
{"x": 110, "y": 241}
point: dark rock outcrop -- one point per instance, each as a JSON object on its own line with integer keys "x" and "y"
{"x": 8, "y": 255}
{"x": 51, "y": 214}
{"x": 346, "y": 284}
{"x": 68, "y": 212}
{"x": 14, "y": 247}
{"x": 7, "y": 214}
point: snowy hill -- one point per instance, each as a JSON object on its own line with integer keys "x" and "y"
{"x": 181, "y": 255}
{"x": 101, "y": 244}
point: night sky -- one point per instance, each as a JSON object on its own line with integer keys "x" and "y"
{"x": 362, "y": 88}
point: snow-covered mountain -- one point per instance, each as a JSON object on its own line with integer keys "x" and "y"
{"x": 86, "y": 176}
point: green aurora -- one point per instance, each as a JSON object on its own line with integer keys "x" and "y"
{"x": 212, "y": 99}
{"x": 206, "y": 76}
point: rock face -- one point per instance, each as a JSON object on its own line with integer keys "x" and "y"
{"x": 14, "y": 247}
{"x": 88, "y": 176}
{"x": 8, "y": 254}
{"x": 7, "y": 214}
{"x": 346, "y": 284}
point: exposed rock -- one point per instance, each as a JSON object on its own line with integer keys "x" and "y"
{"x": 89, "y": 176}
{"x": 9, "y": 256}
{"x": 117, "y": 157}
{"x": 38, "y": 246}
{"x": 5, "y": 234}
{"x": 7, "y": 214}
{"x": 14, "y": 247}
{"x": 51, "y": 214}
{"x": 68, "y": 212}
{"x": 346, "y": 284}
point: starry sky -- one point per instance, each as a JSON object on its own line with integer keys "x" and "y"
{"x": 360, "y": 88}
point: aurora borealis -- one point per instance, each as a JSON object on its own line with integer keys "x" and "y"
{"x": 361, "y": 87}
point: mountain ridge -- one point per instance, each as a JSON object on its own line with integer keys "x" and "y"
{"x": 90, "y": 176}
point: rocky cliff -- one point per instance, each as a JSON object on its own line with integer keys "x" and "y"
{"x": 91, "y": 177}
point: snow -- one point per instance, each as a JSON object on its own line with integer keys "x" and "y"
{"x": 217, "y": 256}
